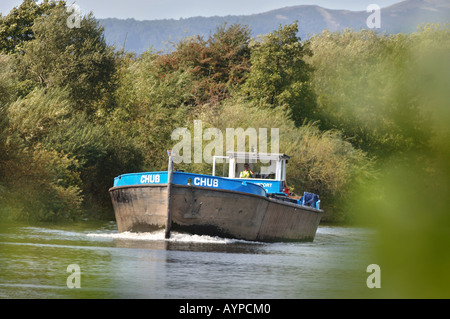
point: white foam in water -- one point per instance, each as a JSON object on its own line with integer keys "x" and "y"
{"x": 174, "y": 236}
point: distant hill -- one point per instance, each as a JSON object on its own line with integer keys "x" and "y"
{"x": 161, "y": 34}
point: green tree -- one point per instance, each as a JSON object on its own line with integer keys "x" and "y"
{"x": 279, "y": 75}
{"x": 7, "y": 80}
{"x": 16, "y": 28}
{"x": 217, "y": 64}
{"x": 151, "y": 106}
{"x": 45, "y": 119}
{"x": 7, "y": 95}
{"x": 66, "y": 88}
{"x": 230, "y": 54}
{"x": 363, "y": 84}
{"x": 74, "y": 58}
{"x": 39, "y": 182}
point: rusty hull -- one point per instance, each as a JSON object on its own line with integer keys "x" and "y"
{"x": 213, "y": 212}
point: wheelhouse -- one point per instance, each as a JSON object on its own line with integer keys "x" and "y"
{"x": 269, "y": 169}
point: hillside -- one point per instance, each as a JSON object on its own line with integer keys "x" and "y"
{"x": 161, "y": 34}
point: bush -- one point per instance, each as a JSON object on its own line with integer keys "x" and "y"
{"x": 40, "y": 187}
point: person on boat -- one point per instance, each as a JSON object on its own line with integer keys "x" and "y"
{"x": 247, "y": 172}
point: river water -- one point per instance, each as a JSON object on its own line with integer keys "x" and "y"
{"x": 91, "y": 260}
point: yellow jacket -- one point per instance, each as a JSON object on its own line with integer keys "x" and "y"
{"x": 245, "y": 174}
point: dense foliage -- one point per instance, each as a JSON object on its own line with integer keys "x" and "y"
{"x": 74, "y": 113}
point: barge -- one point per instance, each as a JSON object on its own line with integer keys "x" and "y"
{"x": 258, "y": 208}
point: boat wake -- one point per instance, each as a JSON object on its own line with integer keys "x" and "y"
{"x": 174, "y": 237}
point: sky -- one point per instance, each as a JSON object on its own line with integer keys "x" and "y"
{"x": 176, "y": 9}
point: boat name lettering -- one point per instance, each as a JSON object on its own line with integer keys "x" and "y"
{"x": 268, "y": 185}
{"x": 150, "y": 179}
{"x": 204, "y": 181}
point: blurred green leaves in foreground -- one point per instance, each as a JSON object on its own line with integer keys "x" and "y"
{"x": 409, "y": 202}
